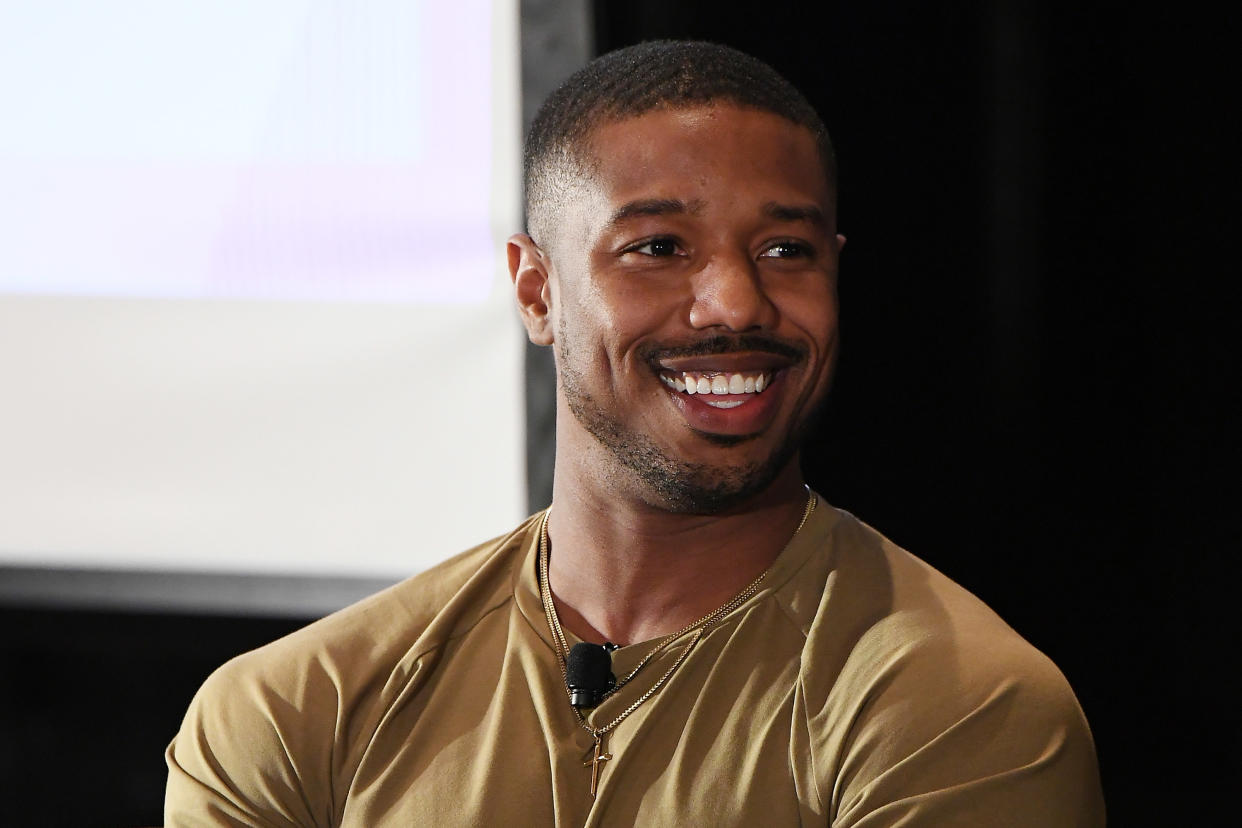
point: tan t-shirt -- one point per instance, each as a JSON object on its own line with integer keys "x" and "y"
{"x": 858, "y": 687}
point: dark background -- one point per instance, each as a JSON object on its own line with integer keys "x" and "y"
{"x": 1031, "y": 396}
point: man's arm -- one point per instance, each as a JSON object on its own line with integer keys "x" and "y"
{"x": 981, "y": 734}
{"x": 245, "y": 754}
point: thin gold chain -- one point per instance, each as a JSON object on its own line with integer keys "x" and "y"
{"x": 702, "y": 625}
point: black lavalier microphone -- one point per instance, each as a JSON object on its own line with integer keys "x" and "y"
{"x": 588, "y": 672}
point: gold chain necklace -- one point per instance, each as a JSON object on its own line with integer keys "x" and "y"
{"x": 699, "y": 627}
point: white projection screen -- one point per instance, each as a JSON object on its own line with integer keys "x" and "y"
{"x": 254, "y": 316}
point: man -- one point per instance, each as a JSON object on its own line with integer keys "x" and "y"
{"x": 780, "y": 663}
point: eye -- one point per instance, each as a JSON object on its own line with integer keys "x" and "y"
{"x": 787, "y": 249}
{"x": 659, "y": 246}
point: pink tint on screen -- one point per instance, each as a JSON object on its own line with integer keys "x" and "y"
{"x": 413, "y": 232}
{"x": 396, "y": 233}
{"x": 333, "y": 203}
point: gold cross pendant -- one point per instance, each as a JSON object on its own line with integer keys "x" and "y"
{"x": 594, "y": 761}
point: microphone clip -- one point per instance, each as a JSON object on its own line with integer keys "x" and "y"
{"x": 588, "y": 674}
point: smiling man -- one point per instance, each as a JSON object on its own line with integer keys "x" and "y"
{"x": 688, "y": 636}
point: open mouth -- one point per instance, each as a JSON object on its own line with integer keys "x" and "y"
{"x": 727, "y": 385}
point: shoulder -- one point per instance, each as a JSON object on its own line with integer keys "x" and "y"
{"x": 884, "y": 600}
{"x": 917, "y": 692}
{"x": 400, "y": 623}
{"x": 276, "y": 730}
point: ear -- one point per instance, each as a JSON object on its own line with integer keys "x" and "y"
{"x": 528, "y": 268}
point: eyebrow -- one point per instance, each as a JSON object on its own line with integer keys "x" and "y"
{"x": 652, "y": 207}
{"x": 809, "y": 213}
{"x": 790, "y": 212}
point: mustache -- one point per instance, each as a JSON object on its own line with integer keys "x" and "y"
{"x": 720, "y": 344}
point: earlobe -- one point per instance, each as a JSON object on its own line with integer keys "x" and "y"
{"x": 528, "y": 268}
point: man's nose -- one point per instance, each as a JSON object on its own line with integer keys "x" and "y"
{"x": 729, "y": 293}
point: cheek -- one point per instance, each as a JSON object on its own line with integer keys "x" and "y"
{"x": 627, "y": 310}
{"x": 587, "y": 340}
{"x": 815, "y": 314}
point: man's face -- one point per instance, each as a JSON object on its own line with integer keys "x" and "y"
{"x": 693, "y": 304}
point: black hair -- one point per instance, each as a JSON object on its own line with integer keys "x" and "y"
{"x": 635, "y": 80}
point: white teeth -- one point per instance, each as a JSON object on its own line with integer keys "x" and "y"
{"x": 717, "y": 384}
{"x": 724, "y": 403}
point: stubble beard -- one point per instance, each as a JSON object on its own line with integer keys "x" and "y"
{"x": 672, "y": 483}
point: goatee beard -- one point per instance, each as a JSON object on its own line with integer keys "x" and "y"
{"x": 672, "y": 483}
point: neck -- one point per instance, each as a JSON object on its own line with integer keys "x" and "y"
{"x": 625, "y": 571}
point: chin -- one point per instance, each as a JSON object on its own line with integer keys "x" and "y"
{"x": 726, "y": 440}
{"x": 703, "y": 488}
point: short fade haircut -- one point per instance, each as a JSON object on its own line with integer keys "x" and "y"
{"x": 658, "y": 74}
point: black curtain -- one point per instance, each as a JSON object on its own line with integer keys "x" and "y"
{"x": 1029, "y": 395}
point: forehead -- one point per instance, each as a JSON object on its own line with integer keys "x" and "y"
{"x": 716, "y": 149}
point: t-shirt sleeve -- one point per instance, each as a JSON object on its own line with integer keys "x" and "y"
{"x": 248, "y": 754}
{"x": 939, "y": 741}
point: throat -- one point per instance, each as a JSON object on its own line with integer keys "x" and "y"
{"x": 620, "y": 621}
{"x": 635, "y": 586}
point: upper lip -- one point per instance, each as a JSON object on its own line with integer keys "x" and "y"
{"x": 720, "y": 354}
{"x": 731, "y": 363}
